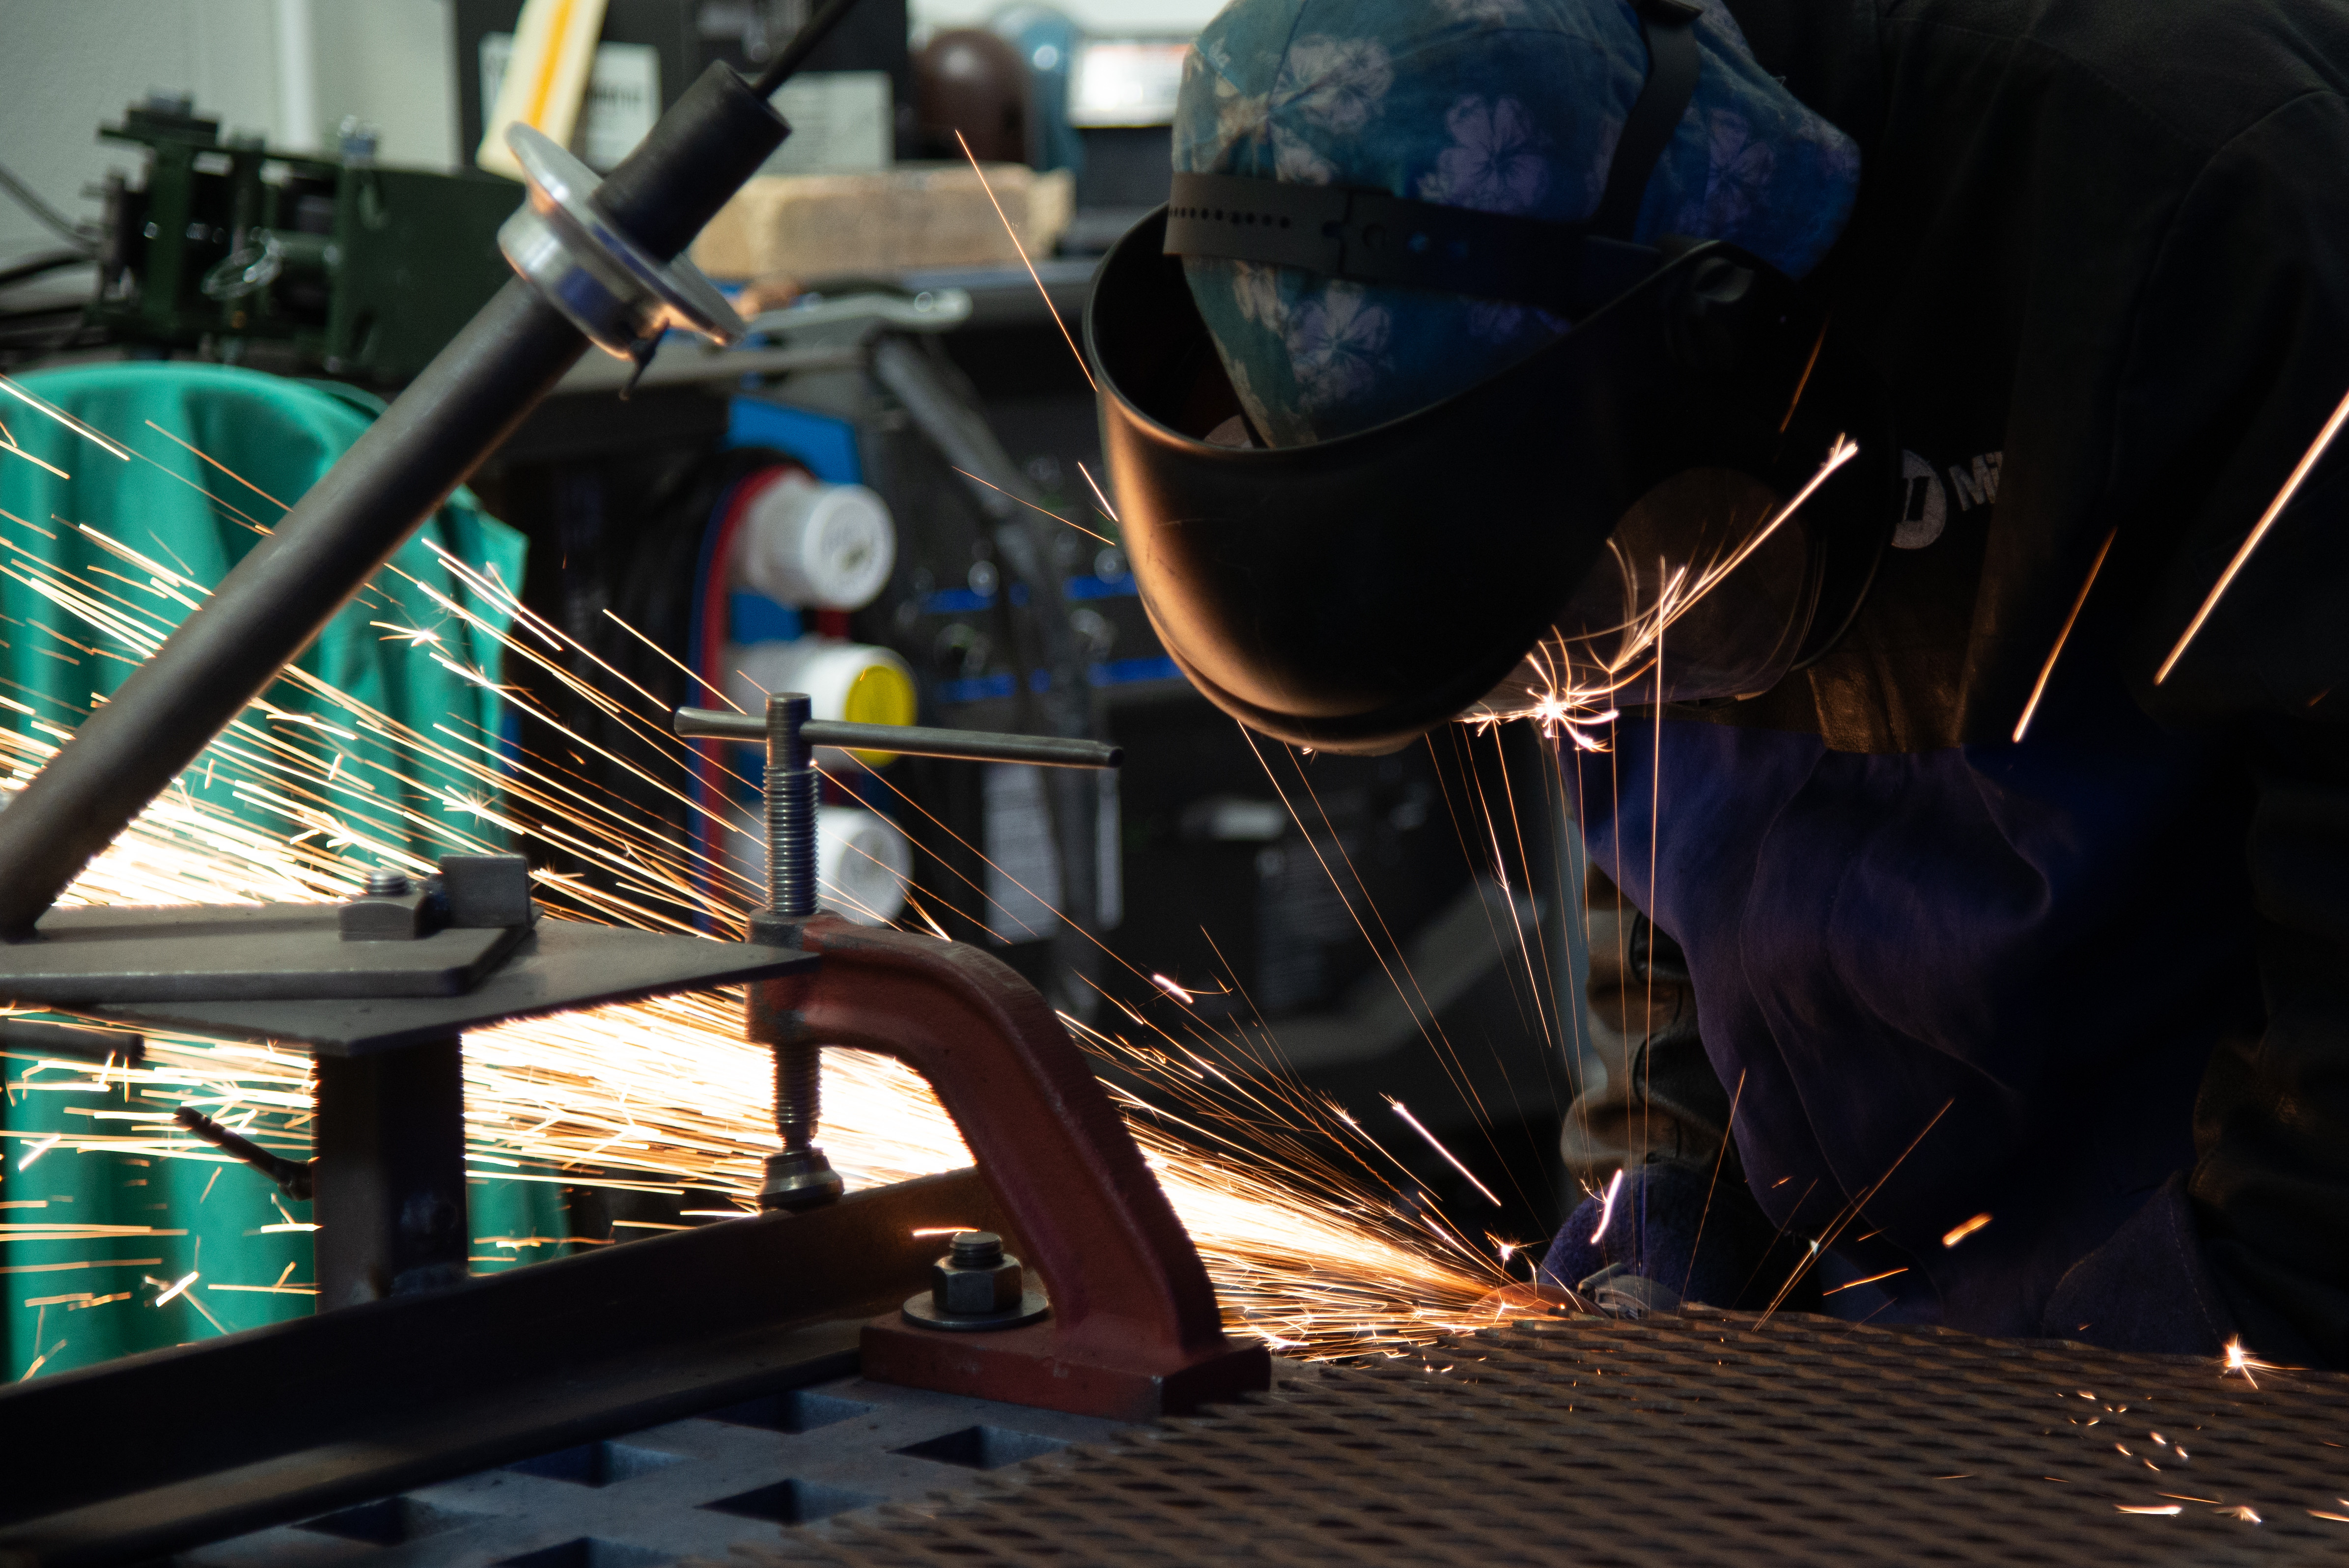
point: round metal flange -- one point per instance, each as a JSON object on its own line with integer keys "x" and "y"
{"x": 798, "y": 1180}
{"x": 612, "y": 290}
{"x": 923, "y": 1313}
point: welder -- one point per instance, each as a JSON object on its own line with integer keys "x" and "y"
{"x": 1970, "y": 974}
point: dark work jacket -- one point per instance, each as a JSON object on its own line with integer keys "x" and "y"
{"x": 2095, "y": 984}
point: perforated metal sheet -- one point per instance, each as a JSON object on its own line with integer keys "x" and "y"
{"x": 1702, "y": 1440}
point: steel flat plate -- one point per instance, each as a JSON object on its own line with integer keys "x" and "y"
{"x": 561, "y": 965}
{"x": 205, "y": 953}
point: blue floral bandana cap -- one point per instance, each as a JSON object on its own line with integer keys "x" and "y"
{"x": 1503, "y": 105}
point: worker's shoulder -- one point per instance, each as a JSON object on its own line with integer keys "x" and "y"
{"x": 2202, "y": 72}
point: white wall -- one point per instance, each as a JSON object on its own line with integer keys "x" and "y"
{"x": 65, "y": 65}
{"x": 391, "y": 62}
{"x": 1108, "y": 17}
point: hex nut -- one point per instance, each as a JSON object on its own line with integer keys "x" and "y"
{"x": 971, "y": 1292}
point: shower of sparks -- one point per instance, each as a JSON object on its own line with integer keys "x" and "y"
{"x": 1574, "y": 686}
{"x": 2308, "y": 462}
{"x": 1315, "y": 1245}
{"x": 1964, "y": 1230}
{"x": 1437, "y": 1145}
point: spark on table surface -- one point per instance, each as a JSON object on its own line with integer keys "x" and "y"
{"x": 2240, "y": 1360}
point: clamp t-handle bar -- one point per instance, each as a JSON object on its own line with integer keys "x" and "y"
{"x": 910, "y": 740}
{"x": 800, "y": 1177}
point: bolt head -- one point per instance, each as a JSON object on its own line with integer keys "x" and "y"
{"x": 977, "y": 1250}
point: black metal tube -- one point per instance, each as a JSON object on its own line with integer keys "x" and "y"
{"x": 911, "y": 740}
{"x": 691, "y": 161}
{"x": 266, "y": 611}
{"x": 804, "y": 42}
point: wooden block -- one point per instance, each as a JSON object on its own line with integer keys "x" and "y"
{"x": 816, "y": 226}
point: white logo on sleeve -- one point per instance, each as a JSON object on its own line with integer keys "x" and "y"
{"x": 1925, "y": 500}
{"x": 1977, "y": 482}
{"x": 1924, "y": 504}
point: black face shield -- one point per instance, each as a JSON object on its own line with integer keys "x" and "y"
{"x": 1590, "y": 528}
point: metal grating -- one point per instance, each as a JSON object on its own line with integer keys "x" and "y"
{"x": 1708, "y": 1439}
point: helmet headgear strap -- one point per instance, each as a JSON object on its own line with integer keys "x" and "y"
{"x": 1375, "y": 237}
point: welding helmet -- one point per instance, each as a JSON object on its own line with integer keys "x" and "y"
{"x": 1609, "y": 519}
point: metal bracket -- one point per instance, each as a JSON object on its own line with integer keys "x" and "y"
{"x": 1135, "y": 1331}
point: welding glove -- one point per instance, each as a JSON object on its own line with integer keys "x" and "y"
{"x": 2148, "y": 1288}
{"x": 1683, "y": 1225}
{"x": 1673, "y": 1234}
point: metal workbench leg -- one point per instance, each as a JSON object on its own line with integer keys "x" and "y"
{"x": 390, "y": 1173}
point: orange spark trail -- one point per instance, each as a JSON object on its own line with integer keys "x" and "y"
{"x": 2048, "y": 670}
{"x": 1434, "y": 1142}
{"x": 1030, "y": 266}
{"x": 2259, "y": 532}
{"x": 1607, "y": 1205}
{"x": 1852, "y": 1212}
{"x": 1964, "y": 1230}
{"x": 14, "y": 389}
{"x": 1033, "y": 507}
{"x": 1107, "y": 510}
{"x": 29, "y": 457}
{"x": 233, "y": 474}
{"x": 1720, "y": 1156}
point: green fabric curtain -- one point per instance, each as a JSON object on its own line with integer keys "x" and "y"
{"x": 214, "y": 452}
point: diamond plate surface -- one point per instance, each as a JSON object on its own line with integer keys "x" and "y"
{"x": 1704, "y": 1439}
{"x": 1710, "y": 1438}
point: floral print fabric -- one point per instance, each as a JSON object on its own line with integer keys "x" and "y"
{"x": 1505, "y": 106}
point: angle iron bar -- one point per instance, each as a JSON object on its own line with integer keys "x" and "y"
{"x": 128, "y": 1460}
